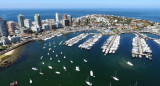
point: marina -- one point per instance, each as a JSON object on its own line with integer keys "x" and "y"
{"x": 111, "y": 45}
{"x": 90, "y": 42}
{"x": 141, "y": 48}
{"x": 75, "y": 40}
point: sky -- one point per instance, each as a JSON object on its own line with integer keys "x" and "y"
{"x": 80, "y": 3}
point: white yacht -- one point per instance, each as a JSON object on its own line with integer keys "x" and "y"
{"x": 34, "y": 68}
{"x": 30, "y": 81}
{"x": 77, "y": 68}
{"x": 64, "y": 68}
{"x": 128, "y": 62}
{"x": 85, "y": 60}
{"x": 71, "y": 61}
{"x": 91, "y": 73}
{"x": 57, "y": 72}
{"x": 115, "y": 78}
{"x": 41, "y": 73}
{"x": 50, "y": 67}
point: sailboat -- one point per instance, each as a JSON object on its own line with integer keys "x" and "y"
{"x": 41, "y": 72}
{"x": 128, "y": 62}
{"x": 88, "y": 83}
{"x": 30, "y": 81}
{"x": 115, "y": 78}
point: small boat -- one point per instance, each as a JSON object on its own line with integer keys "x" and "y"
{"x": 61, "y": 53}
{"x": 30, "y": 81}
{"x": 88, "y": 83}
{"x": 115, "y": 78}
{"x": 128, "y": 62}
{"x": 91, "y": 73}
{"x": 71, "y": 61}
{"x": 53, "y": 51}
{"x": 57, "y": 72}
{"x": 48, "y": 53}
{"x": 41, "y": 72}
{"x": 77, "y": 68}
{"x": 44, "y": 47}
{"x": 64, "y": 68}
{"x": 59, "y": 61}
{"x": 41, "y": 57}
{"x": 34, "y": 68}
{"x": 50, "y": 67}
{"x": 85, "y": 60}
{"x": 56, "y": 55}
{"x": 54, "y": 46}
{"x": 50, "y": 59}
{"x": 49, "y": 49}
{"x": 64, "y": 57}
{"x": 43, "y": 63}
{"x": 14, "y": 83}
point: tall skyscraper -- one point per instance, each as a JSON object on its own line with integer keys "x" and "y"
{"x": 3, "y": 27}
{"x": 69, "y": 17}
{"x": 11, "y": 27}
{"x": 57, "y": 17}
{"x": 21, "y": 20}
{"x": 64, "y": 17}
{"x": 37, "y": 19}
{"x": 27, "y": 23}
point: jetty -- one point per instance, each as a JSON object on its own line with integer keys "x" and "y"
{"x": 111, "y": 45}
{"x": 140, "y": 48}
{"x": 76, "y": 39}
{"x": 90, "y": 42}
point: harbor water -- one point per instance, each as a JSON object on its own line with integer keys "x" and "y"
{"x": 144, "y": 71}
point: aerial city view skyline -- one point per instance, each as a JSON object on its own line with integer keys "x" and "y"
{"x": 80, "y": 43}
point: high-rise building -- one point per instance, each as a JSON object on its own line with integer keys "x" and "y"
{"x": 57, "y": 17}
{"x": 37, "y": 19}
{"x": 27, "y": 23}
{"x": 64, "y": 17}
{"x": 69, "y": 17}
{"x": 3, "y": 27}
{"x": 21, "y": 20}
{"x": 11, "y": 27}
{"x": 65, "y": 22}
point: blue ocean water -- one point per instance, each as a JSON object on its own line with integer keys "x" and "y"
{"x": 148, "y": 14}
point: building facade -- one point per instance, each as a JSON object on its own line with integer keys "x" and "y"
{"x": 21, "y": 20}
{"x": 3, "y": 28}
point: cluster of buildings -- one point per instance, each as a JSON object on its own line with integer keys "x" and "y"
{"x": 13, "y": 32}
